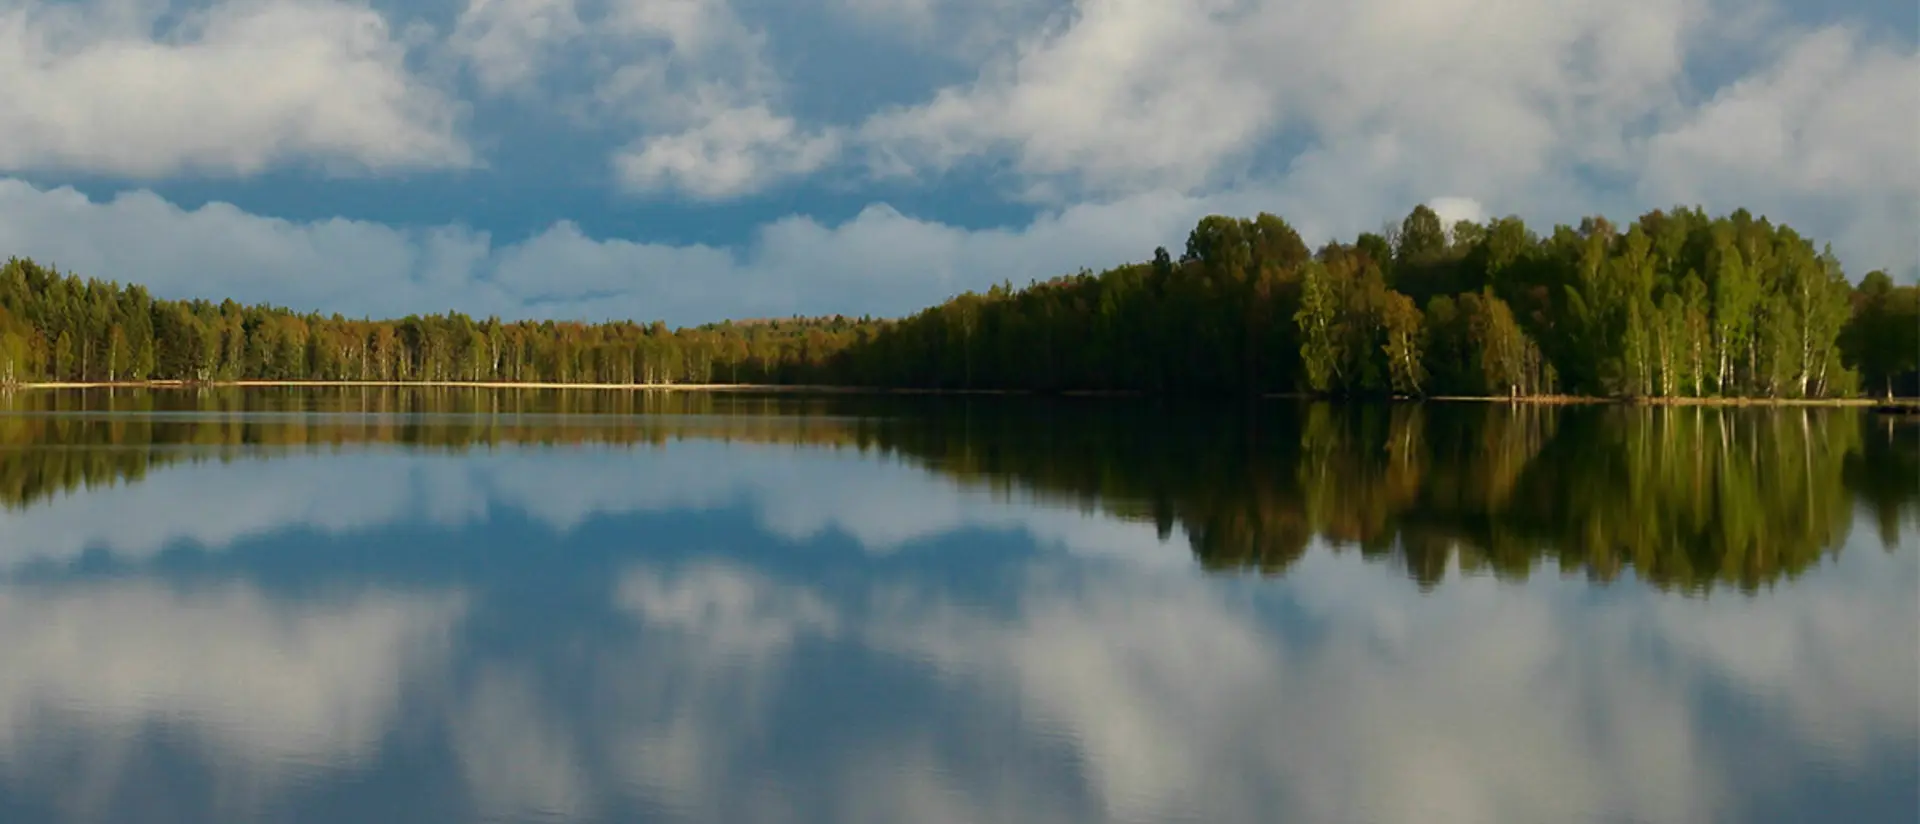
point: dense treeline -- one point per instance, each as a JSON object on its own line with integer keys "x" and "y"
{"x": 1676, "y": 305}
{"x": 1684, "y": 498}
{"x": 63, "y": 329}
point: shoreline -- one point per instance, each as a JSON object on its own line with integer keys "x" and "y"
{"x": 1906, "y": 404}
{"x": 542, "y": 385}
{"x": 1910, "y": 404}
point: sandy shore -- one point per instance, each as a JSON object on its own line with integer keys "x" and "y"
{"x": 1906, "y": 403}
{"x": 805, "y": 389}
{"x": 1899, "y": 403}
{"x": 631, "y": 387}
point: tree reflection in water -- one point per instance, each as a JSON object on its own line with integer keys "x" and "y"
{"x": 1688, "y": 499}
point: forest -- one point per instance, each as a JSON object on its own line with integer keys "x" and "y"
{"x": 1677, "y": 304}
{"x": 1687, "y": 499}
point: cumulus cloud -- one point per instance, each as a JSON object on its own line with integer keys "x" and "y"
{"x": 1128, "y": 95}
{"x": 733, "y": 152}
{"x": 1351, "y": 112}
{"x": 645, "y": 61}
{"x": 507, "y": 43}
{"x": 230, "y": 89}
{"x": 1823, "y": 134}
{"x": 879, "y": 262}
{"x": 1125, "y": 120}
{"x": 707, "y": 100}
{"x": 1455, "y": 209}
{"x": 690, "y": 76}
{"x": 1125, "y": 93}
{"x": 964, "y": 31}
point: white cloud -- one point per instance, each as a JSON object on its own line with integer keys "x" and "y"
{"x": 1337, "y": 693}
{"x": 887, "y": 507}
{"x": 668, "y": 64}
{"x": 232, "y": 89}
{"x": 968, "y": 31}
{"x": 518, "y": 762}
{"x": 260, "y": 497}
{"x": 218, "y": 251}
{"x": 689, "y": 75}
{"x": 509, "y": 42}
{"x": 1455, "y": 209}
{"x": 798, "y": 493}
{"x": 735, "y": 610}
{"x": 680, "y": 699}
{"x": 1139, "y": 117}
{"x": 1129, "y": 94}
{"x": 1825, "y": 114}
{"x": 1281, "y": 97}
{"x": 707, "y": 101}
{"x": 1823, "y": 138}
{"x": 879, "y": 262}
{"x": 300, "y": 687}
{"x": 1131, "y": 697}
{"x": 692, "y": 27}
{"x": 732, "y": 152}
{"x": 1478, "y": 702}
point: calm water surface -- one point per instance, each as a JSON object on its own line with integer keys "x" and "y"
{"x": 453, "y": 606}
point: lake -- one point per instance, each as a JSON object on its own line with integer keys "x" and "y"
{"x": 462, "y": 605}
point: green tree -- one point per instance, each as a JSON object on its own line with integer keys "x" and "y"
{"x": 119, "y": 354}
{"x": 1320, "y": 354}
{"x": 1405, "y": 364}
{"x": 65, "y": 365}
{"x": 1422, "y": 237}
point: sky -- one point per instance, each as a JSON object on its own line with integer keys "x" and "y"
{"x": 694, "y": 160}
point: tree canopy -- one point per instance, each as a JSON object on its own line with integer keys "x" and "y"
{"x": 1676, "y": 304}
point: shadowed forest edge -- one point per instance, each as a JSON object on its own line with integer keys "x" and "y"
{"x": 1678, "y": 305}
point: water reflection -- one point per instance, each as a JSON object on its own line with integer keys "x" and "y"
{"x": 839, "y": 613}
{"x": 1687, "y": 499}
{"x": 111, "y": 690}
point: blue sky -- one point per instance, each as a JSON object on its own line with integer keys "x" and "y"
{"x": 691, "y": 160}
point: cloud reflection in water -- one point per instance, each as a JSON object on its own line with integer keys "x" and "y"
{"x": 634, "y": 664}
